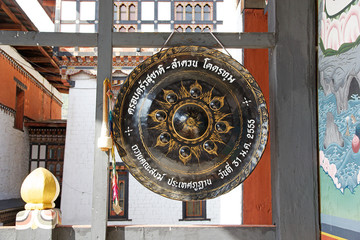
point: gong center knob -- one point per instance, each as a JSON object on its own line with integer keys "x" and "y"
{"x": 190, "y": 121}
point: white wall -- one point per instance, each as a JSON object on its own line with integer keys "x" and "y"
{"x": 148, "y": 10}
{"x": 148, "y": 208}
{"x": 14, "y": 157}
{"x": 229, "y": 13}
{"x": 76, "y": 193}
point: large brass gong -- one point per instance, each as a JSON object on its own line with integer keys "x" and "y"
{"x": 190, "y": 123}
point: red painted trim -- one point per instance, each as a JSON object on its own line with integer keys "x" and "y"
{"x": 325, "y": 237}
{"x": 257, "y": 207}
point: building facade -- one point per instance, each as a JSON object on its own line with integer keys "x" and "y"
{"x": 29, "y": 92}
{"x": 24, "y": 96}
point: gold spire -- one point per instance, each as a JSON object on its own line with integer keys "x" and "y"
{"x": 40, "y": 189}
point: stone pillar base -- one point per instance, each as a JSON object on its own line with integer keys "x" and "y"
{"x": 33, "y": 219}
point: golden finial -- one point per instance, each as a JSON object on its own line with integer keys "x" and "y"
{"x": 40, "y": 189}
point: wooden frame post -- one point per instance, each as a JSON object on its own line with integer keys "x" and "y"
{"x": 101, "y": 162}
{"x": 293, "y": 126}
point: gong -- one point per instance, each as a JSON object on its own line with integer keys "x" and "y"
{"x": 190, "y": 123}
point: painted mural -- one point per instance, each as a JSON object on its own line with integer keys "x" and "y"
{"x": 339, "y": 118}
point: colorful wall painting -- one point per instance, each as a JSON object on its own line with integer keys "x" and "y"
{"x": 339, "y": 118}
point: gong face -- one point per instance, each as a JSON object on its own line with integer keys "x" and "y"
{"x": 191, "y": 123}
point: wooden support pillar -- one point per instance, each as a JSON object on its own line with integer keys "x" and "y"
{"x": 257, "y": 188}
{"x": 293, "y": 125}
{"x": 101, "y": 162}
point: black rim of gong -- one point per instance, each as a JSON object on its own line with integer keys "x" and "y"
{"x": 174, "y": 118}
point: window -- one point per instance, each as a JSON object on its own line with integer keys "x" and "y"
{"x": 193, "y": 12}
{"x": 180, "y": 29}
{"x": 197, "y": 13}
{"x": 127, "y": 13}
{"x": 48, "y": 156}
{"x": 179, "y": 12}
{"x": 90, "y": 28}
{"x": 123, "y": 13}
{"x": 47, "y": 146}
{"x": 188, "y": 12}
{"x": 19, "y": 108}
{"x": 87, "y": 10}
{"x": 68, "y": 10}
{"x": 206, "y": 29}
{"x": 188, "y": 29}
{"x": 124, "y": 28}
{"x": 207, "y": 12}
{"x": 132, "y": 12}
{"x": 116, "y": 13}
{"x": 55, "y": 160}
{"x": 197, "y": 29}
{"x": 36, "y": 156}
{"x": 194, "y": 210}
{"x": 123, "y": 192}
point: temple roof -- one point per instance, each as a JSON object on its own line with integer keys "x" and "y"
{"x": 13, "y": 18}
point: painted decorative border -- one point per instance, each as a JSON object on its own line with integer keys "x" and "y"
{"x": 7, "y": 110}
{"x": 28, "y": 75}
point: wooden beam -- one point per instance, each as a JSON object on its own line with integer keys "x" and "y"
{"x": 53, "y": 78}
{"x": 58, "y": 85}
{"x": 48, "y": 3}
{"x": 10, "y": 26}
{"x": 24, "y": 48}
{"x": 73, "y": 58}
{"x": 55, "y": 58}
{"x": 229, "y": 40}
{"x": 99, "y": 213}
{"x": 11, "y": 15}
{"x": 46, "y": 69}
{"x": 257, "y": 187}
{"x": 32, "y": 38}
{"x": 138, "y": 39}
{"x": 62, "y": 90}
{"x": 47, "y": 124}
{"x": 37, "y": 59}
{"x": 293, "y": 123}
{"x": 45, "y": 53}
{"x": 252, "y": 4}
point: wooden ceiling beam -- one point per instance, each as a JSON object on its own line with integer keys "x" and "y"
{"x": 48, "y": 3}
{"x": 62, "y": 90}
{"x": 11, "y": 15}
{"x": 24, "y": 47}
{"x": 10, "y": 26}
{"x": 55, "y": 58}
{"x": 45, "y": 53}
{"x": 46, "y": 69}
{"x": 59, "y": 85}
{"x": 38, "y": 59}
{"x": 74, "y": 58}
{"x": 53, "y": 78}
